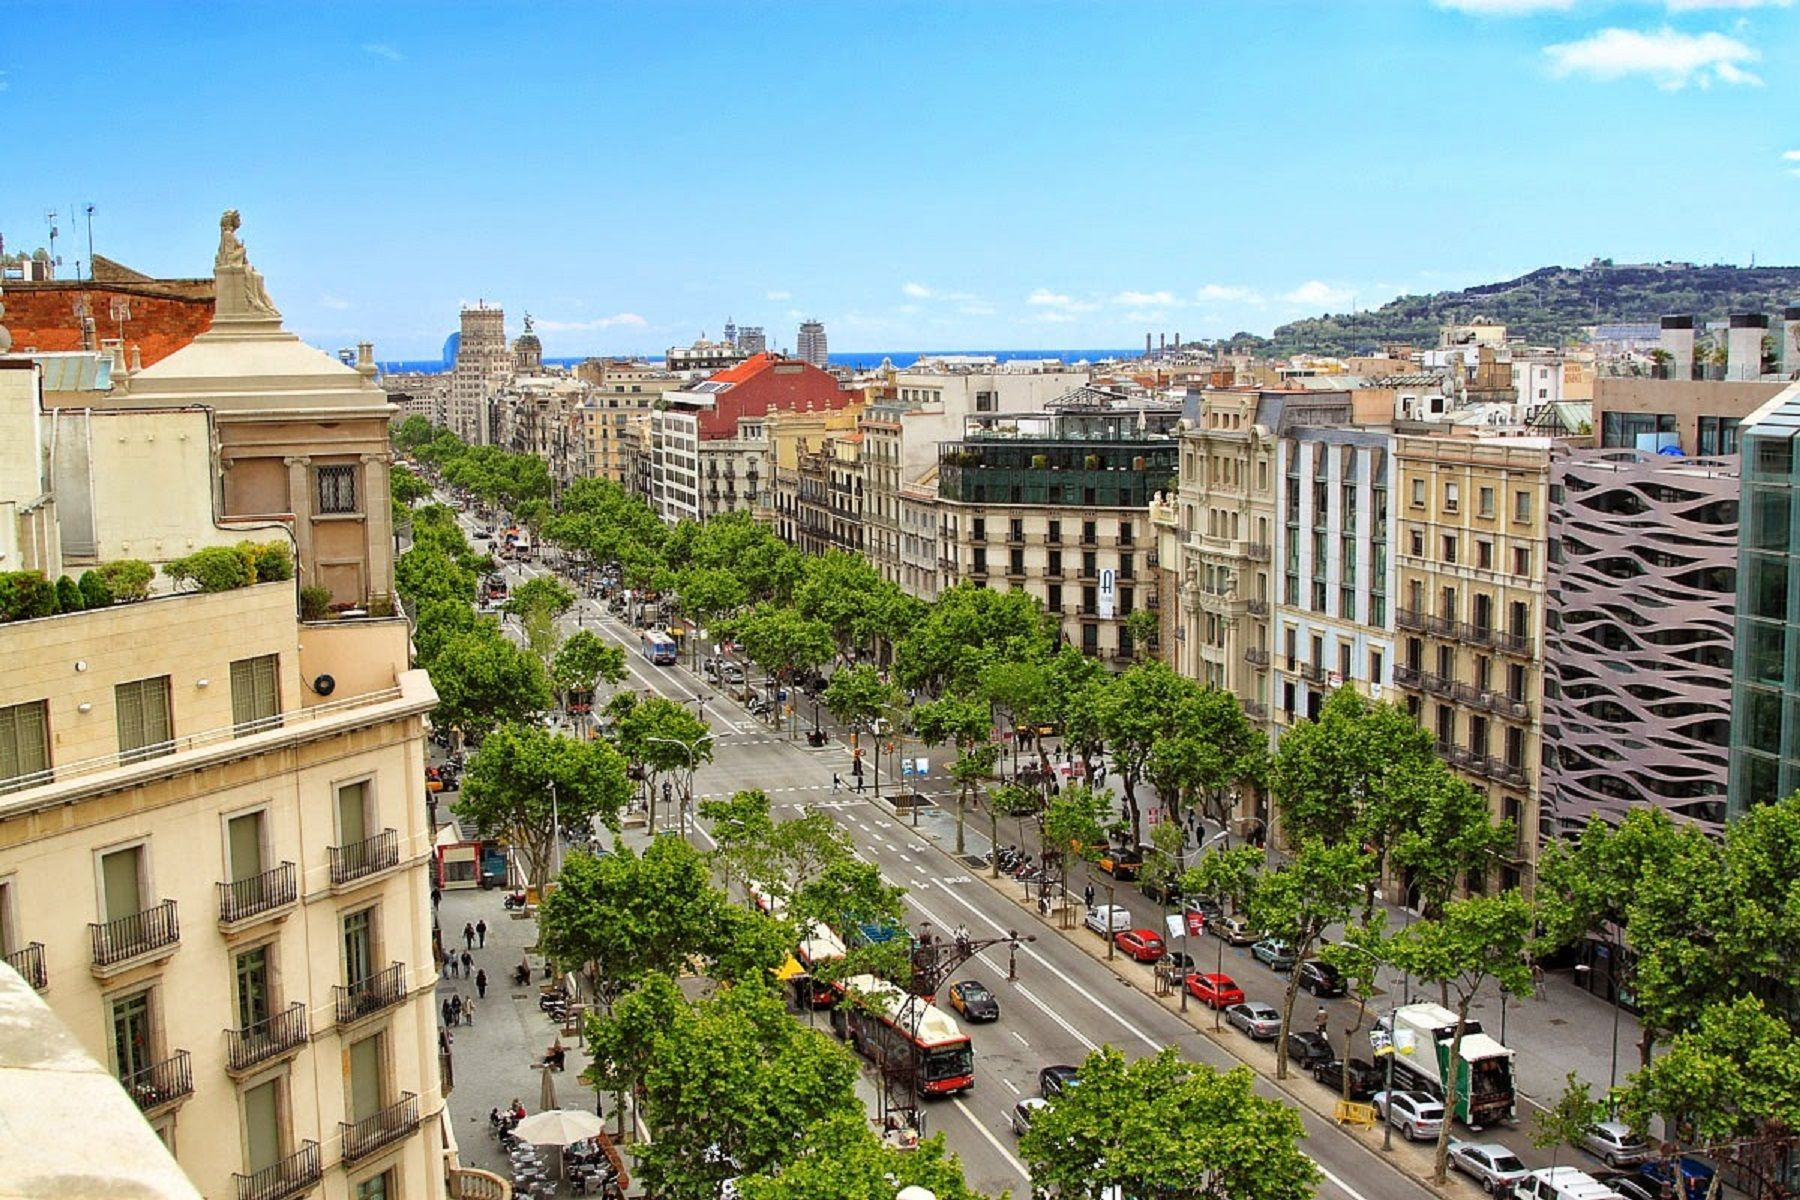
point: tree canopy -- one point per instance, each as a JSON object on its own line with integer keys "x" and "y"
{"x": 524, "y": 778}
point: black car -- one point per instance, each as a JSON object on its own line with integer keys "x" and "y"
{"x": 1308, "y": 1048}
{"x": 1175, "y": 966}
{"x": 1322, "y": 979}
{"x": 1053, "y": 1081}
{"x": 1365, "y": 1077}
{"x": 1163, "y": 891}
{"x": 974, "y": 1001}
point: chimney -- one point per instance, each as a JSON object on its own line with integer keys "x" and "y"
{"x": 1790, "y": 340}
{"x": 1743, "y": 346}
{"x": 1678, "y": 341}
{"x": 1146, "y": 345}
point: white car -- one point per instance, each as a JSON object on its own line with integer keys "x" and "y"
{"x": 1025, "y": 1112}
{"x": 1108, "y": 919}
{"x": 1415, "y": 1114}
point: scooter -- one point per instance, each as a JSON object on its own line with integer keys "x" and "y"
{"x": 514, "y": 900}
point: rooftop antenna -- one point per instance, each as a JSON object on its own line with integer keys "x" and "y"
{"x": 50, "y": 220}
{"x": 90, "y": 228}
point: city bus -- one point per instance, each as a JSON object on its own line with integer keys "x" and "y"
{"x": 766, "y": 900}
{"x": 659, "y": 647}
{"x": 819, "y": 947}
{"x": 894, "y": 1028}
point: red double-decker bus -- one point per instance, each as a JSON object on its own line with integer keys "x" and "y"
{"x": 894, "y": 1027}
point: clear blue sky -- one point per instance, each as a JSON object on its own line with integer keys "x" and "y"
{"x": 930, "y": 175}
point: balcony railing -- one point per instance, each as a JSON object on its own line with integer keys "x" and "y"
{"x": 296, "y": 1173}
{"x": 1257, "y": 551}
{"x": 1409, "y": 618}
{"x": 1437, "y": 685}
{"x": 384, "y": 989}
{"x": 358, "y": 859}
{"x": 1407, "y": 677}
{"x": 161, "y": 1084}
{"x": 1258, "y": 657}
{"x": 242, "y": 899}
{"x": 1507, "y": 773}
{"x": 134, "y": 934}
{"x": 1312, "y": 672}
{"x": 262, "y": 1040}
{"x": 370, "y": 1134}
{"x": 1255, "y": 709}
{"x": 28, "y": 961}
{"x": 1257, "y": 608}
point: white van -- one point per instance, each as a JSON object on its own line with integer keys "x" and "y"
{"x": 1562, "y": 1183}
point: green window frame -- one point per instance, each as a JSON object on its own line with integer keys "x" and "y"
{"x": 24, "y": 745}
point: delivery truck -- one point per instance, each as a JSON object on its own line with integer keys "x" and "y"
{"x": 1423, "y": 1033}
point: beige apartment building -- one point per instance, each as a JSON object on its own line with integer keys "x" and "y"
{"x": 815, "y": 500}
{"x": 213, "y": 839}
{"x": 1470, "y": 525}
{"x": 623, "y": 393}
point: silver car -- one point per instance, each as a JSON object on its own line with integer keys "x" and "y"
{"x": 1415, "y": 1114}
{"x": 1025, "y": 1112}
{"x": 1488, "y": 1163}
{"x": 1615, "y": 1144}
{"x": 1261, "y": 1021}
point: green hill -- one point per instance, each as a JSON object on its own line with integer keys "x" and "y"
{"x": 1550, "y": 306}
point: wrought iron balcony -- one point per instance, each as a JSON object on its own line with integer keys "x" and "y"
{"x": 1258, "y": 657}
{"x": 1257, "y": 551}
{"x": 28, "y": 961}
{"x": 363, "y": 1138}
{"x": 1312, "y": 672}
{"x": 1255, "y": 709}
{"x": 384, "y": 989}
{"x": 358, "y": 860}
{"x": 260, "y": 895}
{"x": 162, "y": 1084}
{"x": 1409, "y": 618}
{"x": 1257, "y": 608}
{"x": 262, "y": 1040}
{"x": 297, "y": 1173}
{"x": 1407, "y": 677}
{"x": 1437, "y": 685}
{"x": 135, "y": 934}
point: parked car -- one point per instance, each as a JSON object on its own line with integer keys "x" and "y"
{"x": 1255, "y": 1018}
{"x": 1615, "y": 1144}
{"x": 1322, "y": 979}
{"x": 1274, "y": 954}
{"x": 974, "y": 1001}
{"x": 1490, "y": 1164}
{"x": 1308, "y": 1048}
{"x": 1415, "y": 1114}
{"x": 1175, "y": 967}
{"x": 1631, "y": 1186}
{"x": 1235, "y": 930}
{"x": 1207, "y": 908}
{"x": 1108, "y": 919}
{"x": 1214, "y": 990}
{"x": 1365, "y": 1077}
{"x": 1697, "y": 1174}
{"x": 1145, "y": 945}
{"x": 1025, "y": 1112}
{"x": 1055, "y": 1080}
{"x": 1164, "y": 891}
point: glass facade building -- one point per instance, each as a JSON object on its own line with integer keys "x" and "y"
{"x": 1765, "y": 734}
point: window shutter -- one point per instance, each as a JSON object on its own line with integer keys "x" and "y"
{"x": 156, "y": 710}
{"x": 243, "y": 693}
{"x": 129, "y": 699}
{"x": 267, "y": 701}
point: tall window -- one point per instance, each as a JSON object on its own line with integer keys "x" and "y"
{"x": 143, "y": 712}
{"x": 377, "y": 1187}
{"x": 337, "y": 489}
{"x": 353, "y": 813}
{"x": 255, "y": 695}
{"x": 252, "y": 970}
{"x": 366, "y": 1084}
{"x": 24, "y": 745}
{"x": 244, "y": 839}
{"x": 359, "y": 946}
{"x": 133, "y": 1044}
{"x": 122, "y": 883}
{"x": 262, "y": 1126}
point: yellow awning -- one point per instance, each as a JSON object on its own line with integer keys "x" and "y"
{"x": 789, "y": 970}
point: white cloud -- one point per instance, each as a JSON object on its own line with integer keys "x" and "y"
{"x": 976, "y": 309}
{"x": 383, "y": 50}
{"x": 1045, "y": 298}
{"x": 1057, "y": 318}
{"x": 779, "y": 295}
{"x": 1319, "y": 294}
{"x": 1215, "y": 293}
{"x": 1505, "y": 8}
{"x": 1792, "y": 155}
{"x": 906, "y": 308}
{"x": 335, "y": 303}
{"x": 1671, "y": 59}
{"x": 617, "y": 320}
{"x": 917, "y": 291}
{"x": 1700, "y": 5}
{"x": 1143, "y": 298}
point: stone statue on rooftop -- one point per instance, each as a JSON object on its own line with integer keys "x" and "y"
{"x": 240, "y": 290}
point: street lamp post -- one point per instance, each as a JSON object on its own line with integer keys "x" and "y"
{"x": 692, "y": 751}
{"x": 1392, "y": 1048}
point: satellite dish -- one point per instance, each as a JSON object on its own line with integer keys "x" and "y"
{"x": 324, "y": 685}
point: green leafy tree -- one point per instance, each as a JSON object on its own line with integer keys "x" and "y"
{"x": 1144, "y": 626}
{"x": 857, "y": 696}
{"x": 1451, "y": 837}
{"x": 1072, "y": 830}
{"x": 1352, "y": 775}
{"x": 524, "y": 778}
{"x": 1302, "y": 898}
{"x": 706, "y": 593}
{"x": 1164, "y": 1126}
{"x": 436, "y": 622}
{"x": 845, "y": 1158}
{"x": 1137, "y": 714}
{"x": 538, "y": 603}
{"x": 583, "y": 661}
{"x": 1358, "y": 956}
{"x": 1469, "y": 943}
{"x": 1567, "y": 1121}
{"x": 664, "y": 738}
{"x": 966, "y": 632}
{"x": 1019, "y": 692}
{"x": 963, "y": 722}
{"x": 733, "y": 1085}
{"x": 743, "y": 828}
{"x": 484, "y": 681}
{"x": 1078, "y": 702}
{"x": 840, "y": 591}
{"x": 781, "y": 641}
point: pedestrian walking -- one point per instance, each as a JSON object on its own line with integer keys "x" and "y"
{"x": 468, "y": 961}
{"x": 481, "y": 933}
{"x": 1322, "y": 1022}
{"x": 469, "y": 1011}
{"x": 456, "y": 1009}
{"x": 481, "y": 984}
{"x": 1087, "y": 896}
{"x": 469, "y": 935}
{"x": 446, "y": 1010}
{"x": 836, "y": 782}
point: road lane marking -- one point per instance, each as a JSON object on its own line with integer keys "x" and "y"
{"x": 1029, "y": 952}
{"x": 1013, "y": 1086}
{"x": 1020, "y": 1036}
{"x": 906, "y": 858}
{"x": 995, "y": 1142}
{"x": 1058, "y": 1018}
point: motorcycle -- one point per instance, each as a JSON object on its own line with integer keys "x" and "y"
{"x": 514, "y": 900}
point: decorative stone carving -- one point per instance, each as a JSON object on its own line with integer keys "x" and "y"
{"x": 238, "y": 286}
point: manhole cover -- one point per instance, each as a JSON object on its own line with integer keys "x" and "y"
{"x": 1558, "y": 1021}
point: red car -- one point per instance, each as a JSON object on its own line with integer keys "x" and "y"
{"x": 1145, "y": 945}
{"x": 1215, "y": 991}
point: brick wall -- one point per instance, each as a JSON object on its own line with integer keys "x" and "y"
{"x": 42, "y": 316}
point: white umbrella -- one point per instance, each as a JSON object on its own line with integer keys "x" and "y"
{"x": 558, "y": 1127}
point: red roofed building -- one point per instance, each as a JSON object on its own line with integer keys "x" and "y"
{"x": 710, "y": 447}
